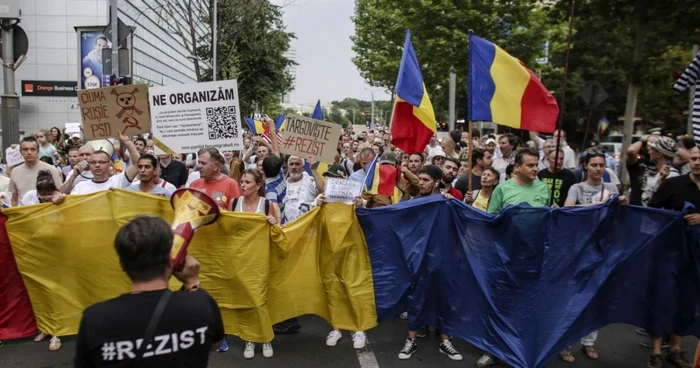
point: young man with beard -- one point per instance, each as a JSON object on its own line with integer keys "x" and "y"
{"x": 148, "y": 177}
{"x": 415, "y": 162}
{"x": 481, "y": 160}
{"x": 101, "y": 165}
{"x": 430, "y": 178}
{"x": 449, "y": 172}
{"x": 301, "y": 189}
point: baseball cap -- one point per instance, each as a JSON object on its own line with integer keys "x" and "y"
{"x": 335, "y": 171}
{"x": 490, "y": 140}
{"x": 667, "y": 146}
{"x": 75, "y": 135}
{"x": 654, "y": 131}
{"x": 593, "y": 143}
{"x": 388, "y": 158}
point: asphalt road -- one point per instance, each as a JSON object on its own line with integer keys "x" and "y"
{"x": 617, "y": 344}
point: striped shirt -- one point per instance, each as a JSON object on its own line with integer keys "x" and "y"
{"x": 690, "y": 77}
{"x": 276, "y": 189}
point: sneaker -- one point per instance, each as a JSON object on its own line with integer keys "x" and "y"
{"x": 358, "y": 339}
{"x": 333, "y": 338}
{"x": 54, "y": 344}
{"x": 403, "y": 315}
{"x": 641, "y": 331}
{"x": 486, "y": 360}
{"x": 40, "y": 337}
{"x": 678, "y": 359}
{"x": 655, "y": 361}
{"x": 249, "y": 352}
{"x": 267, "y": 350}
{"x": 422, "y": 331}
{"x": 409, "y": 347}
{"x": 224, "y": 346}
{"x": 449, "y": 350}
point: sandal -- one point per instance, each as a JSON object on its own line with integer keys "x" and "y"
{"x": 590, "y": 352}
{"x": 54, "y": 344}
{"x": 40, "y": 337}
{"x": 567, "y": 356}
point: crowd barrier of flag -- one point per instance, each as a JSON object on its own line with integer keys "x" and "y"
{"x": 522, "y": 285}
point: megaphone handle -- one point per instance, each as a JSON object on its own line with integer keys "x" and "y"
{"x": 181, "y": 240}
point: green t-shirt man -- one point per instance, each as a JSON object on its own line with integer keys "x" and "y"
{"x": 510, "y": 192}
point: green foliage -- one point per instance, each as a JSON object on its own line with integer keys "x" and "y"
{"x": 252, "y": 43}
{"x": 440, "y": 31}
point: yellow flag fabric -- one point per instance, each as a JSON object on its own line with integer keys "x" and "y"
{"x": 259, "y": 274}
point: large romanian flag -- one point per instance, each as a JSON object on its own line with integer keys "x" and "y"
{"x": 413, "y": 122}
{"x": 502, "y": 90}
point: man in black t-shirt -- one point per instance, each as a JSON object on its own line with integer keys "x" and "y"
{"x": 111, "y": 332}
{"x": 565, "y": 178}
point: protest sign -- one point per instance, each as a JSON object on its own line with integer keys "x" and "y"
{"x": 13, "y": 156}
{"x": 187, "y": 117}
{"x": 72, "y": 128}
{"x": 310, "y": 138}
{"x": 342, "y": 190}
{"x": 108, "y": 111}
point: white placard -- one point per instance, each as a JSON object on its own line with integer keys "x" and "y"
{"x": 13, "y": 156}
{"x": 342, "y": 190}
{"x": 72, "y": 128}
{"x": 187, "y": 117}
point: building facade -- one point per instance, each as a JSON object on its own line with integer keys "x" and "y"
{"x": 160, "y": 55}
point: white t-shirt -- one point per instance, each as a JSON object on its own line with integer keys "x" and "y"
{"x": 163, "y": 184}
{"x": 83, "y": 176}
{"x": 88, "y": 187}
{"x": 31, "y": 197}
{"x": 300, "y": 195}
{"x": 192, "y": 177}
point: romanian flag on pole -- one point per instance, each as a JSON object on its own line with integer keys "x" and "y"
{"x": 256, "y": 127}
{"x": 502, "y": 90}
{"x": 413, "y": 122}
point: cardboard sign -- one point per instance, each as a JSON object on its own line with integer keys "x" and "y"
{"x": 13, "y": 156}
{"x": 311, "y": 138}
{"x": 342, "y": 190}
{"x": 187, "y": 117}
{"x": 107, "y": 111}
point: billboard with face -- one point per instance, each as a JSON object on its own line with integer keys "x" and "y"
{"x": 91, "y": 41}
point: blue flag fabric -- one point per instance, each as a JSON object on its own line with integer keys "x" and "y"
{"x": 529, "y": 282}
{"x": 318, "y": 111}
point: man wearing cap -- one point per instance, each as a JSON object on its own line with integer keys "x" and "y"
{"x": 646, "y": 176}
{"x": 75, "y": 141}
{"x": 490, "y": 145}
{"x": 438, "y": 158}
{"x": 407, "y": 183}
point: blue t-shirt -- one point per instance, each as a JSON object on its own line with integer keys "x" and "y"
{"x": 157, "y": 190}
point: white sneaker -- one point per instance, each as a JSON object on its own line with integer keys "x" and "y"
{"x": 333, "y": 338}
{"x": 267, "y": 350}
{"x": 403, "y": 315}
{"x": 249, "y": 352}
{"x": 358, "y": 339}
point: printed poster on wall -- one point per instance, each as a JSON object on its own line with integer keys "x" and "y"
{"x": 107, "y": 111}
{"x": 91, "y": 41}
{"x": 188, "y": 117}
{"x": 310, "y": 138}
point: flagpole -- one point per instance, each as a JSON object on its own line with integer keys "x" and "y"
{"x": 563, "y": 104}
{"x": 469, "y": 147}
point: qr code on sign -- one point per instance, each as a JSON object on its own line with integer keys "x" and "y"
{"x": 222, "y": 122}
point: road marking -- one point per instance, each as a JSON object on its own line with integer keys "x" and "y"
{"x": 366, "y": 356}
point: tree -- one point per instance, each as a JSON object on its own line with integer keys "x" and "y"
{"x": 440, "y": 31}
{"x": 252, "y": 44}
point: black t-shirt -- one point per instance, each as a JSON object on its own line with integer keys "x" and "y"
{"x": 111, "y": 331}
{"x": 462, "y": 184}
{"x": 674, "y": 192}
{"x": 565, "y": 179}
{"x": 175, "y": 173}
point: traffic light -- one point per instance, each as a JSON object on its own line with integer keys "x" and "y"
{"x": 119, "y": 81}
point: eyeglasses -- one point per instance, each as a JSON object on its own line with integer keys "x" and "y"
{"x": 99, "y": 162}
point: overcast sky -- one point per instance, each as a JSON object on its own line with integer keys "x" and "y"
{"x": 324, "y": 51}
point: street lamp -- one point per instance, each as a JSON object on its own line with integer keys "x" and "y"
{"x": 371, "y": 91}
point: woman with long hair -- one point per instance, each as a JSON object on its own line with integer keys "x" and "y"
{"x": 480, "y": 198}
{"x": 46, "y": 192}
{"x": 236, "y": 169}
{"x": 56, "y": 137}
{"x": 252, "y": 200}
